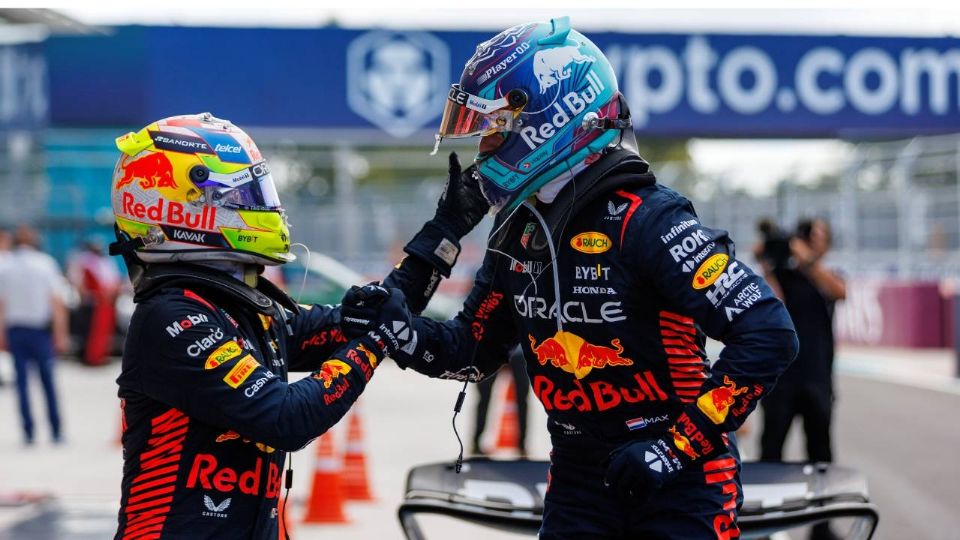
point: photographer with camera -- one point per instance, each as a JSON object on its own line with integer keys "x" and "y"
{"x": 796, "y": 272}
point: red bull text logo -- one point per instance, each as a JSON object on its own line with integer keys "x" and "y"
{"x": 573, "y": 354}
{"x": 717, "y": 402}
{"x": 207, "y": 474}
{"x": 170, "y": 212}
{"x": 596, "y": 395}
{"x": 590, "y": 242}
{"x": 683, "y": 444}
{"x": 153, "y": 171}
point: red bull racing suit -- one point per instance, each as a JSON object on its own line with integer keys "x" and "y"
{"x": 207, "y": 413}
{"x": 613, "y": 333}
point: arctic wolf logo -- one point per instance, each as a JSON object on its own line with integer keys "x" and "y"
{"x": 551, "y": 66}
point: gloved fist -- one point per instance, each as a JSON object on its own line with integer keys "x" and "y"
{"x": 462, "y": 205}
{"x": 380, "y": 314}
{"x": 359, "y": 308}
{"x": 640, "y": 468}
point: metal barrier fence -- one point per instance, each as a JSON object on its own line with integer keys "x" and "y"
{"x": 894, "y": 206}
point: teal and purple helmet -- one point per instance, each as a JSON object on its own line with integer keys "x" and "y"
{"x": 552, "y": 96}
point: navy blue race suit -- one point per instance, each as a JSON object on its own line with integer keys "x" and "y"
{"x": 208, "y": 415}
{"x": 613, "y": 334}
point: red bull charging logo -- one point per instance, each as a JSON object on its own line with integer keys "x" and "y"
{"x": 683, "y": 444}
{"x": 371, "y": 358}
{"x": 330, "y": 370}
{"x": 573, "y": 354}
{"x": 717, "y": 402}
{"x": 233, "y": 435}
{"x": 153, "y": 171}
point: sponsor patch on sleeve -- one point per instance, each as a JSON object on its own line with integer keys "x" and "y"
{"x": 241, "y": 371}
{"x": 224, "y": 353}
{"x": 709, "y": 271}
{"x": 447, "y": 251}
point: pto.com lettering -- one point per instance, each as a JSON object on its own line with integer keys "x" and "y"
{"x": 826, "y": 79}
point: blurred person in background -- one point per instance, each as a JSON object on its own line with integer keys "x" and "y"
{"x": 521, "y": 385}
{"x": 34, "y": 321}
{"x": 809, "y": 290}
{"x": 97, "y": 280}
{"x": 608, "y": 281}
{"x": 207, "y": 412}
{"x": 6, "y": 242}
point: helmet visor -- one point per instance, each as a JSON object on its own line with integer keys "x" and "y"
{"x": 466, "y": 115}
{"x": 251, "y": 188}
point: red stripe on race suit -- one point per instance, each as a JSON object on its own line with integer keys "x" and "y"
{"x": 635, "y": 202}
{"x": 156, "y": 481}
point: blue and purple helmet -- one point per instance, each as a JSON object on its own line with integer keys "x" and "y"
{"x": 552, "y": 95}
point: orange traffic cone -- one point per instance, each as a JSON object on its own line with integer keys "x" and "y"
{"x": 509, "y": 436}
{"x": 326, "y": 494}
{"x": 355, "y": 484}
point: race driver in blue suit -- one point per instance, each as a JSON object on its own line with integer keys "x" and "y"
{"x": 609, "y": 282}
{"x": 208, "y": 415}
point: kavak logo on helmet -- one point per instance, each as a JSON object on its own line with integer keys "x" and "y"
{"x": 590, "y": 242}
{"x": 709, "y": 271}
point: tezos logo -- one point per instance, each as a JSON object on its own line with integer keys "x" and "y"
{"x": 397, "y": 80}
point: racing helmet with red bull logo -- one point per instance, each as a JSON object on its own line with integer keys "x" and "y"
{"x": 549, "y": 93}
{"x": 196, "y": 188}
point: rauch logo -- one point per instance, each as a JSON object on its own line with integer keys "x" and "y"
{"x": 590, "y": 242}
{"x": 709, "y": 271}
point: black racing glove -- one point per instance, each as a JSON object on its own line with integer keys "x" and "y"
{"x": 639, "y": 468}
{"x": 379, "y": 314}
{"x": 461, "y": 207}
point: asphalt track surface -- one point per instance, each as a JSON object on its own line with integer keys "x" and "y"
{"x": 898, "y": 426}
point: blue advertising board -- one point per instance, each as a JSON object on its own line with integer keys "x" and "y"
{"x": 23, "y": 86}
{"x": 712, "y": 85}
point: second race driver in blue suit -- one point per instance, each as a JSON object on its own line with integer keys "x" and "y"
{"x": 208, "y": 414}
{"x": 609, "y": 282}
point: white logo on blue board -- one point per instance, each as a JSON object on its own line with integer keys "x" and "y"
{"x": 397, "y": 80}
